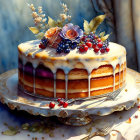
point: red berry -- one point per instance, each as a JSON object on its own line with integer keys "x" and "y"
{"x": 51, "y": 105}
{"x": 83, "y": 38}
{"x": 138, "y": 106}
{"x": 100, "y": 44}
{"x": 59, "y": 99}
{"x": 65, "y": 104}
{"x": 107, "y": 49}
{"x": 88, "y": 40}
{"x": 42, "y": 46}
{"x": 102, "y": 50}
{"x": 89, "y": 44}
{"x": 61, "y": 102}
{"x": 85, "y": 48}
{"x": 99, "y": 40}
{"x": 96, "y": 49}
{"x": 81, "y": 49}
{"x": 94, "y": 45}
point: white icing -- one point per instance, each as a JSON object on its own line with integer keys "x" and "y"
{"x": 90, "y": 60}
{"x": 89, "y": 76}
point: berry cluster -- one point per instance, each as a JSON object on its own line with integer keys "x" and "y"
{"x": 65, "y": 46}
{"x": 60, "y": 103}
{"x": 95, "y": 42}
{"x": 44, "y": 42}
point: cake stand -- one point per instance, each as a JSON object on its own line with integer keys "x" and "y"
{"x": 77, "y": 113}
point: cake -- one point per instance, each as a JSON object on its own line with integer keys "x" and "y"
{"x": 74, "y": 75}
{"x": 71, "y": 63}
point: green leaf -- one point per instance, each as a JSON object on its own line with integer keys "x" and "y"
{"x": 40, "y": 35}
{"x": 34, "y": 30}
{"x": 105, "y": 37}
{"x": 86, "y": 26}
{"x": 51, "y": 22}
{"x": 10, "y": 132}
{"x": 102, "y": 34}
{"x": 94, "y": 23}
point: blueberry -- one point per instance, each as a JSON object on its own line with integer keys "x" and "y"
{"x": 89, "y": 36}
{"x": 68, "y": 41}
{"x": 67, "y": 50}
{"x": 60, "y": 45}
{"x": 66, "y": 46}
{"x": 59, "y": 50}
{"x": 44, "y": 41}
{"x": 74, "y": 45}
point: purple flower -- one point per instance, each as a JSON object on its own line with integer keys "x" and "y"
{"x": 71, "y": 32}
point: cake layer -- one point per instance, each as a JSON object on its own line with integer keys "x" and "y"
{"x": 73, "y": 85}
{"x": 72, "y": 95}
{"x": 43, "y": 72}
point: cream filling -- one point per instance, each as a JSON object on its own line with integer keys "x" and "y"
{"x": 69, "y": 90}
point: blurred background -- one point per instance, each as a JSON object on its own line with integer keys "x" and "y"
{"x": 123, "y": 21}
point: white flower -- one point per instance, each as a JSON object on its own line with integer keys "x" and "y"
{"x": 32, "y": 7}
{"x": 63, "y": 17}
{"x": 69, "y": 17}
{"x": 43, "y": 15}
{"x": 34, "y": 15}
{"x": 38, "y": 20}
{"x": 44, "y": 20}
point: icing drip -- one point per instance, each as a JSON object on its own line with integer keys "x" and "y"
{"x": 54, "y": 84}
{"x": 89, "y": 76}
{"x": 119, "y": 75}
{"x": 66, "y": 86}
{"x": 113, "y": 79}
{"x": 34, "y": 81}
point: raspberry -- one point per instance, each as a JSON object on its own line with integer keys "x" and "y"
{"x": 96, "y": 49}
{"x": 59, "y": 99}
{"x": 107, "y": 49}
{"x": 94, "y": 45}
{"x": 102, "y": 50}
{"x": 99, "y": 40}
{"x": 65, "y": 104}
{"x": 51, "y": 105}
{"x": 100, "y": 44}
{"x": 85, "y": 48}
{"x": 89, "y": 44}
{"x": 42, "y": 46}
{"x": 81, "y": 49}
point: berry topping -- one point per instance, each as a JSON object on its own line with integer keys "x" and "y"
{"x": 99, "y": 40}
{"x": 61, "y": 102}
{"x": 81, "y": 49}
{"x": 52, "y": 105}
{"x": 94, "y": 45}
{"x": 59, "y": 99}
{"x": 85, "y": 48}
{"x": 107, "y": 49}
{"x": 83, "y": 38}
{"x": 102, "y": 50}
{"x": 100, "y": 44}
{"x": 44, "y": 41}
{"x": 41, "y": 46}
{"x": 89, "y": 44}
{"x": 65, "y": 104}
{"x": 59, "y": 50}
{"x": 96, "y": 49}
{"x": 67, "y": 50}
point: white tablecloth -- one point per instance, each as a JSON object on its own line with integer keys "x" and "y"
{"x": 129, "y": 131}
